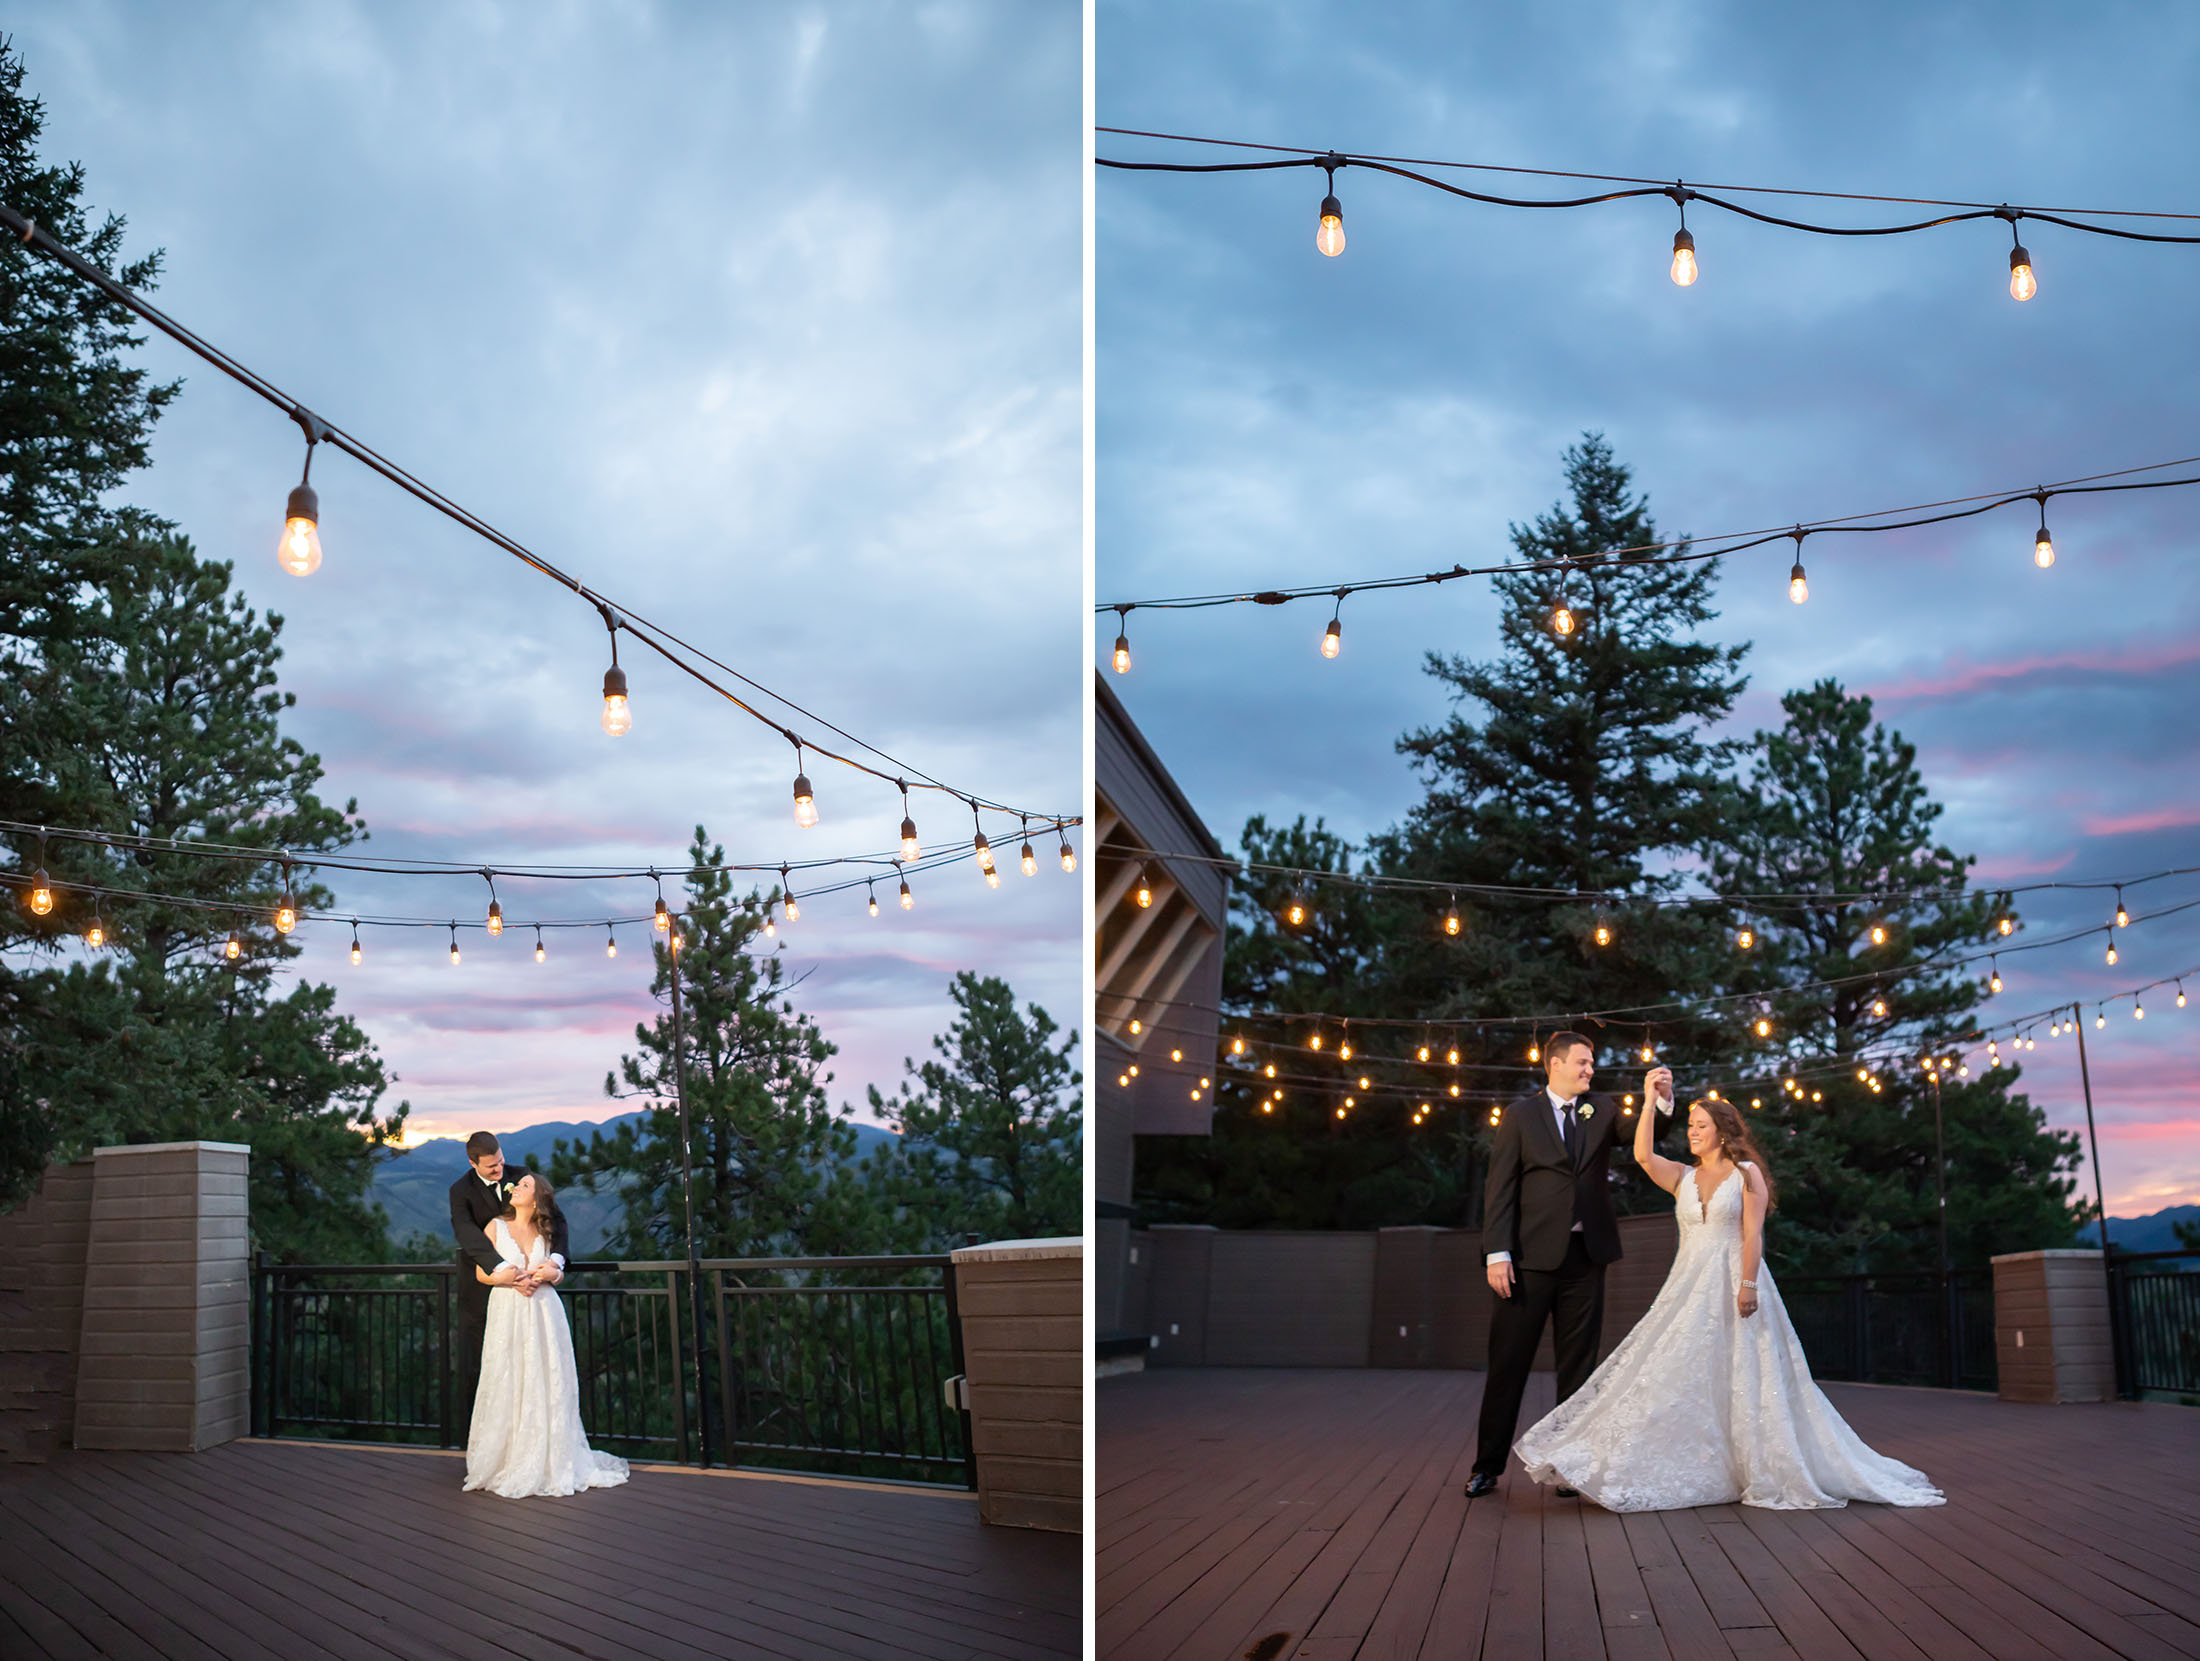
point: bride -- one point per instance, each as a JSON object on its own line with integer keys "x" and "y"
{"x": 527, "y": 1436}
{"x": 1709, "y": 1401}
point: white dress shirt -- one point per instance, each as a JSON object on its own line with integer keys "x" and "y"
{"x": 1560, "y": 1108}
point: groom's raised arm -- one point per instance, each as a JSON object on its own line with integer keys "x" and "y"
{"x": 1501, "y": 1194}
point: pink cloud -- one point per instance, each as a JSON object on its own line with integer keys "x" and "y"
{"x": 1960, "y": 676}
{"x": 2160, "y": 818}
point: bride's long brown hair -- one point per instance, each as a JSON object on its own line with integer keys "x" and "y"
{"x": 546, "y": 1207}
{"x": 1735, "y": 1140}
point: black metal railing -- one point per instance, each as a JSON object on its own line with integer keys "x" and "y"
{"x": 837, "y": 1366}
{"x": 1918, "y": 1328}
{"x": 2154, "y": 1317}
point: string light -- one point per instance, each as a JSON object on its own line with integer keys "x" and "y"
{"x": 2099, "y": 1020}
{"x": 908, "y": 900}
{"x": 771, "y": 925}
{"x": 299, "y": 552}
{"x": 793, "y": 907}
{"x": 1603, "y": 932}
{"x": 1333, "y": 636}
{"x": 2123, "y": 917}
{"x": 660, "y": 919}
{"x": 539, "y": 953}
{"x": 2111, "y": 946}
{"x": 610, "y": 942}
{"x": 2180, "y": 994}
{"x": 805, "y": 799}
{"x": 1028, "y": 860}
{"x": 2007, "y": 925}
{"x": 979, "y": 845}
{"x": 286, "y": 915}
{"x": 1994, "y": 983}
{"x": 496, "y": 912}
{"x": 454, "y": 943}
{"x": 1746, "y": 938}
{"x": 1764, "y": 1027}
{"x": 41, "y": 900}
{"x": 234, "y": 948}
{"x": 1563, "y": 622}
{"x": 1295, "y": 909}
{"x": 1329, "y": 234}
{"x": 95, "y": 935}
{"x": 1145, "y": 889}
{"x": 2043, "y": 545}
{"x": 618, "y": 714}
{"x": 1684, "y": 245}
{"x": 2138, "y": 1010}
{"x": 1798, "y": 583}
{"x": 873, "y": 895}
{"x": 2022, "y": 284}
{"x": 1451, "y": 917}
{"x": 355, "y": 952}
{"x": 1069, "y": 857}
{"x": 1123, "y": 640}
{"x": 1879, "y": 934}
{"x": 910, "y": 847}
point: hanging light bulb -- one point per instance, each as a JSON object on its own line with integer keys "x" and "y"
{"x": 1315, "y": 1042}
{"x": 1798, "y": 584}
{"x": 1028, "y": 860}
{"x": 1879, "y": 934}
{"x": 2138, "y": 1010}
{"x": 496, "y": 918}
{"x": 1993, "y": 983}
{"x": 618, "y": 718}
{"x": 2112, "y": 946}
{"x": 454, "y": 943}
{"x": 1563, "y": 621}
{"x": 355, "y": 952}
{"x": 1451, "y": 1058}
{"x": 286, "y": 915}
{"x": 1879, "y": 1007}
{"x": 1069, "y": 854}
{"x": 1237, "y": 1044}
{"x": 1648, "y": 1055}
{"x": 1123, "y": 640}
{"x": 1295, "y": 910}
{"x": 41, "y": 900}
{"x": 1145, "y": 889}
{"x": 2180, "y": 994}
{"x": 2022, "y": 284}
{"x": 873, "y": 893}
{"x": 661, "y": 919}
{"x": 538, "y": 943}
{"x": 1423, "y": 1052}
{"x": 299, "y": 552}
{"x": 2043, "y": 545}
{"x": 992, "y": 877}
{"x": 2123, "y": 917}
{"x": 1329, "y": 235}
{"x": 1451, "y": 918}
{"x": 909, "y": 845}
{"x": 2007, "y": 925}
{"x": 2099, "y": 1020}
{"x": 1764, "y": 1027}
{"x": 235, "y": 947}
{"x": 771, "y": 925}
{"x": 805, "y": 799}
{"x": 792, "y": 906}
{"x": 1684, "y": 258}
{"x": 980, "y": 846}
{"x": 1535, "y": 1052}
{"x": 1745, "y": 937}
{"x": 95, "y": 936}
{"x": 610, "y": 942}
{"x": 1603, "y": 932}
{"x": 908, "y": 900}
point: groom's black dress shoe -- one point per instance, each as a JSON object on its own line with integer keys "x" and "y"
{"x": 1568, "y": 1493}
{"x": 1481, "y": 1483}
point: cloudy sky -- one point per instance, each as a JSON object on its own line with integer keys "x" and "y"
{"x": 1269, "y": 417}
{"x": 764, "y": 320}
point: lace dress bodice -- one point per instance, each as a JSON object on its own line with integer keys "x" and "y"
{"x": 1701, "y": 1405}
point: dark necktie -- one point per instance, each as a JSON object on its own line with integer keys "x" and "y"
{"x": 1572, "y": 1151}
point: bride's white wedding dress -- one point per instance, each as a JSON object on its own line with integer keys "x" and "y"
{"x": 1699, "y": 1406}
{"x": 527, "y": 1437}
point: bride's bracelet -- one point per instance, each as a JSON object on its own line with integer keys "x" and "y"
{"x": 1752, "y": 1285}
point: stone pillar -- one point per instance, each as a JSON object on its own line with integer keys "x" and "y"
{"x": 1022, "y": 1305}
{"x": 2051, "y": 1332}
{"x": 164, "y": 1359}
{"x": 42, "y": 1246}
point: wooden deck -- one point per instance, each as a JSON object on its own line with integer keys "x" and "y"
{"x": 1280, "y": 1513}
{"x": 283, "y": 1551}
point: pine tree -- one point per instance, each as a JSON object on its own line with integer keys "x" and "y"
{"x": 992, "y": 1138}
{"x": 1836, "y": 805}
{"x": 773, "y": 1162}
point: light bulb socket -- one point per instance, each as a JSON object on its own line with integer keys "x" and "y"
{"x": 614, "y": 682}
{"x": 1684, "y": 241}
{"x": 2018, "y": 257}
{"x": 802, "y": 791}
{"x": 1331, "y": 208}
{"x": 305, "y": 503}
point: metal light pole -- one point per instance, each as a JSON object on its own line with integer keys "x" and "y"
{"x": 2086, "y": 1078}
{"x": 687, "y": 1190}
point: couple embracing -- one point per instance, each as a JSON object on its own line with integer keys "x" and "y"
{"x": 526, "y": 1436}
{"x": 1708, "y": 1401}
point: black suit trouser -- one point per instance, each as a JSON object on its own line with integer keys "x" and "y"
{"x": 467, "y": 1332}
{"x": 1571, "y": 1298}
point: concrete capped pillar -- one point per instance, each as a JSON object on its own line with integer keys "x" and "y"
{"x": 2051, "y": 1331}
{"x": 164, "y": 1356}
{"x": 1022, "y": 1306}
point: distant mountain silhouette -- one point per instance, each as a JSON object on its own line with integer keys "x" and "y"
{"x": 2154, "y": 1233}
{"x": 413, "y": 1186}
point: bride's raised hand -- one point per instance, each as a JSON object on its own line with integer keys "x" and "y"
{"x": 1657, "y": 1089}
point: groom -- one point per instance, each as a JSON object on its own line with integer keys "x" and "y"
{"x": 1547, "y": 1232}
{"x": 476, "y": 1199}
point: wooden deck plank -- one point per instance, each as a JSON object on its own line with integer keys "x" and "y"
{"x": 2051, "y": 1545}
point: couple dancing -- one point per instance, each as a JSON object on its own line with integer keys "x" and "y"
{"x": 526, "y": 1436}
{"x": 1708, "y": 1401}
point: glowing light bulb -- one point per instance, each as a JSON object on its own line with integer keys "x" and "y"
{"x": 1993, "y": 984}
{"x": 1422, "y": 1053}
{"x": 454, "y": 951}
{"x": 1122, "y": 654}
{"x": 299, "y": 552}
{"x": 2180, "y": 995}
{"x": 618, "y": 718}
{"x": 610, "y": 944}
{"x": 1452, "y": 1057}
{"x": 1296, "y": 914}
{"x": 1344, "y": 1052}
{"x": 2008, "y": 925}
{"x": 1451, "y": 921}
{"x": 235, "y": 947}
{"x": 96, "y": 935}
{"x": 1798, "y": 584}
{"x": 355, "y": 953}
{"x": 2043, "y": 549}
{"x": 992, "y": 877}
{"x": 2112, "y": 951}
{"x": 1329, "y": 238}
{"x": 1879, "y": 934}
{"x": 1535, "y": 1053}
{"x": 1069, "y": 858}
{"x": 1315, "y": 1042}
{"x": 1562, "y": 619}
{"x": 805, "y": 802}
{"x": 661, "y": 919}
{"x": 1237, "y": 1045}
{"x": 1647, "y": 1054}
{"x": 41, "y": 900}
{"x": 874, "y": 902}
{"x": 794, "y": 910}
{"x": 1145, "y": 892}
{"x": 286, "y": 917}
{"x": 2138, "y": 1010}
{"x": 1684, "y": 258}
{"x": 1137, "y": 1026}
{"x": 1269, "y": 1070}
{"x": 771, "y": 926}
{"x": 1764, "y": 1028}
{"x": 908, "y": 900}
{"x": 983, "y": 850}
{"x": 909, "y": 847}
{"x": 1879, "y": 1006}
{"x": 1029, "y": 861}
{"x": 1176, "y": 1055}
{"x": 1746, "y": 938}
{"x": 538, "y": 948}
{"x": 1268, "y": 1107}
{"x": 2123, "y": 917}
{"x": 1331, "y": 640}
{"x": 2099, "y": 1020}
{"x": 1604, "y": 934}
{"x": 2022, "y": 284}
{"x": 496, "y": 918}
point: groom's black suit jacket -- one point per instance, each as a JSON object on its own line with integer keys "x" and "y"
{"x": 1537, "y": 1191}
{"x": 473, "y": 1207}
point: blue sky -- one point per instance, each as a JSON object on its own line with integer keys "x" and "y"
{"x": 764, "y": 319}
{"x": 1269, "y": 417}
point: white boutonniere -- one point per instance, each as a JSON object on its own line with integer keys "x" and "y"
{"x": 1588, "y": 1110}
{"x": 504, "y": 1190}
